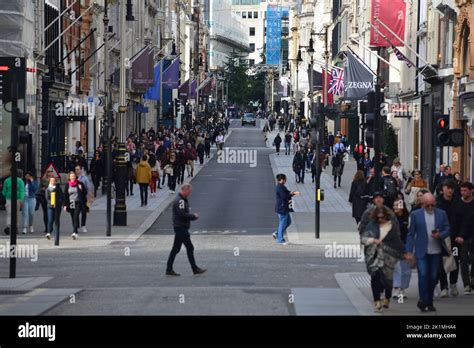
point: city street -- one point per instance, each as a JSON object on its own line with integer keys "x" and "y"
{"x": 248, "y": 273}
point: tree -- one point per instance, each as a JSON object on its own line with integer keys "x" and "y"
{"x": 236, "y": 73}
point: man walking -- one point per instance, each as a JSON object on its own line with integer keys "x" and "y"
{"x": 283, "y": 208}
{"x": 277, "y": 142}
{"x": 181, "y": 223}
{"x": 428, "y": 229}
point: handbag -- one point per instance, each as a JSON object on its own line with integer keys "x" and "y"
{"x": 449, "y": 262}
{"x": 169, "y": 169}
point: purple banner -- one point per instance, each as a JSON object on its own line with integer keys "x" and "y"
{"x": 143, "y": 70}
{"x": 192, "y": 89}
{"x": 183, "y": 90}
{"x": 171, "y": 76}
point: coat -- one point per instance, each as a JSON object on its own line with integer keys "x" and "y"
{"x": 384, "y": 256}
{"x": 143, "y": 174}
{"x": 417, "y": 238}
{"x": 359, "y": 204}
{"x": 82, "y": 195}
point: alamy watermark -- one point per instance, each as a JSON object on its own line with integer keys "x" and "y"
{"x": 68, "y": 109}
{"x": 237, "y": 156}
{"x": 344, "y": 251}
{"x": 400, "y": 109}
{"x": 22, "y": 251}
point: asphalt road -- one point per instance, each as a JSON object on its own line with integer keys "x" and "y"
{"x": 248, "y": 273}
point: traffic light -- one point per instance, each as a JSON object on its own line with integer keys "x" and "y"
{"x": 22, "y": 119}
{"x": 442, "y": 128}
{"x": 177, "y": 104}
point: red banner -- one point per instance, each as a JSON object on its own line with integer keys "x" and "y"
{"x": 330, "y": 96}
{"x": 392, "y": 14}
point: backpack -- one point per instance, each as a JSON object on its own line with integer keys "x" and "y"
{"x": 389, "y": 187}
{"x": 336, "y": 160}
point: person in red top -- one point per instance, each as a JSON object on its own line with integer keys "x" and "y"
{"x": 190, "y": 156}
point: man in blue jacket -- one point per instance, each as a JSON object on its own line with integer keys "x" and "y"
{"x": 283, "y": 208}
{"x": 428, "y": 229}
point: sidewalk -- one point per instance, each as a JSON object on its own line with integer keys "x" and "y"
{"x": 356, "y": 287}
{"x": 337, "y": 224}
{"x": 139, "y": 220}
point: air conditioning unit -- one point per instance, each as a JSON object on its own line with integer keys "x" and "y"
{"x": 128, "y": 65}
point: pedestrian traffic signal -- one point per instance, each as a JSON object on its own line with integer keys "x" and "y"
{"x": 442, "y": 128}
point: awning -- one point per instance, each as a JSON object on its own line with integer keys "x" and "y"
{"x": 143, "y": 69}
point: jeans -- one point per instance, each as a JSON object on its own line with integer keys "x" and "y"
{"x": 300, "y": 175}
{"x": 8, "y": 208}
{"x": 380, "y": 284}
{"x": 172, "y": 182}
{"x": 287, "y": 148}
{"x": 467, "y": 260}
{"x": 143, "y": 193}
{"x": 51, "y": 215}
{"x": 78, "y": 206}
{"x": 284, "y": 221}
{"x": 181, "y": 237}
{"x": 428, "y": 273}
{"x": 402, "y": 275}
{"x": 28, "y": 211}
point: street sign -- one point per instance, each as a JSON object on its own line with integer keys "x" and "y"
{"x": 90, "y": 99}
{"x": 100, "y": 101}
{"x": 51, "y": 169}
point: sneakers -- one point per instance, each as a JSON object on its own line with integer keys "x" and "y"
{"x": 444, "y": 293}
{"x": 199, "y": 271}
{"x": 48, "y": 236}
{"x": 422, "y": 306}
{"x": 431, "y": 308}
{"x": 32, "y": 230}
{"x": 386, "y": 303}
{"x": 172, "y": 273}
{"x": 454, "y": 290}
{"x": 402, "y": 293}
{"x": 24, "y": 230}
{"x": 74, "y": 236}
{"x": 283, "y": 243}
{"x": 171, "y": 191}
{"x": 274, "y": 235}
{"x": 84, "y": 229}
{"x": 396, "y": 293}
{"x": 378, "y": 307}
{"x": 467, "y": 290}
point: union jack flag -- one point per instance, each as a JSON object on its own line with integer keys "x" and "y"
{"x": 337, "y": 81}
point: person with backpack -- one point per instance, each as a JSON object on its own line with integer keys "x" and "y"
{"x": 388, "y": 187}
{"x": 277, "y": 142}
{"x": 337, "y": 163}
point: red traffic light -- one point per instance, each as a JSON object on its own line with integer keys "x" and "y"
{"x": 442, "y": 124}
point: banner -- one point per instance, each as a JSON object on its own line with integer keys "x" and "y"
{"x": 171, "y": 75}
{"x": 273, "y": 35}
{"x": 392, "y": 14}
{"x": 142, "y": 69}
{"x": 328, "y": 85}
{"x": 153, "y": 93}
{"x": 358, "y": 79}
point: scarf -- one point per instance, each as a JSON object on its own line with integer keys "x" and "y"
{"x": 72, "y": 183}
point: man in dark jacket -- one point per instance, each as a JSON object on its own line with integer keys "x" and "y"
{"x": 277, "y": 143}
{"x": 299, "y": 164}
{"x": 181, "y": 223}
{"x": 388, "y": 187}
{"x": 283, "y": 207}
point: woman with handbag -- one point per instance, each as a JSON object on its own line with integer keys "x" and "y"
{"x": 383, "y": 249}
{"x": 171, "y": 172}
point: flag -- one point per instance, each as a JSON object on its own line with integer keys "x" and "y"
{"x": 392, "y": 14}
{"x": 401, "y": 57}
{"x": 171, "y": 75}
{"x": 359, "y": 80}
{"x": 328, "y": 85}
{"x": 153, "y": 93}
{"x": 336, "y": 86}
